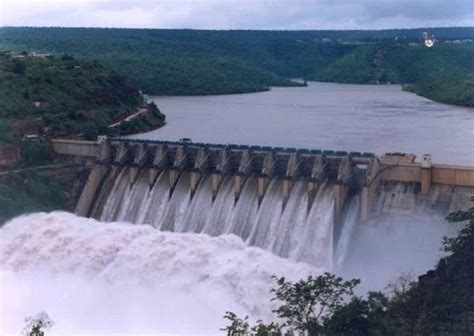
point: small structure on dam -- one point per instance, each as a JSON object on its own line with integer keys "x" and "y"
{"x": 294, "y": 202}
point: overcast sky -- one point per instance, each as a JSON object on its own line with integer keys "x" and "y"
{"x": 238, "y": 14}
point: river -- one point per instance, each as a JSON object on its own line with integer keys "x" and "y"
{"x": 370, "y": 118}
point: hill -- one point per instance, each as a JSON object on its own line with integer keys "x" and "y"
{"x": 43, "y": 97}
{"x": 49, "y": 96}
{"x": 192, "y": 62}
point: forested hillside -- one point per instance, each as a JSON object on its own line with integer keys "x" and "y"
{"x": 192, "y": 62}
{"x": 43, "y": 97}
{"x": 52, "y": 96}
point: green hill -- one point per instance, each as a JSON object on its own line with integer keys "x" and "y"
{"x": 192, "y": 62}
{"x": 42, "y": 97}
{"x": 50, "y": 97}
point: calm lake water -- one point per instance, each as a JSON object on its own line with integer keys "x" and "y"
{"x": 366, "y": 118}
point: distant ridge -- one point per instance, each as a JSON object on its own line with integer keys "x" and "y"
{"x": 201, "y": 62}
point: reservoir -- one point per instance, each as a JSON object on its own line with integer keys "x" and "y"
{"x": 370, "y": 118}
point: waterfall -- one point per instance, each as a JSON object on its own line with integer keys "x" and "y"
{"x": 347, "y": 230}
{"x": 296, "y": 230}
{"x": 245, "y": 210}
{"x": 292, "y": 221}
{"x": 118, "y": 193}
{"x": 131, "y": 210}
{"x": 157, "y": 201}
{"x": 177, "y": 206}
{"x": 268, "y": 216}
{"x": 221, "y": 210}
{"x": 317, "y": 234}
{"x": 196, "y": 214}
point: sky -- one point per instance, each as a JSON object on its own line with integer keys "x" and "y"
{"x": 239, "y": 14}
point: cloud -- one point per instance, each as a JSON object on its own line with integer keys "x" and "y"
{"x": 242, "y": 14}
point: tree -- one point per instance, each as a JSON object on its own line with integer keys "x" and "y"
{"x": 465, "y": 236}
{"x": 26, "y": 94}
{"x": 307, "y": 303}
{"x": 350, "y": 319}
{"x": 401, "y": 285}
{"x": 240, "y": 327}
{"x": 359, "y": 317}
{"x": 237, "y": 325}
{"x": 155, "y": 111}
{"x": 19, "y": 67}
{"x": 262, "y": 329}
{"x": 35, "y": 325}
{"x": 36, "y": 152}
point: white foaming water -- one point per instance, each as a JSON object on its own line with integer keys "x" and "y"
{"x": 114, "y": 200}
{"x": 116, "y": 278}
{"x": 292, "y": 221}
{"x": 347, "y": 232}
{"x": 268, "y": 217}
{"x": 221, "y": 211}
{"x": 138, "y": 196}
{"x": 315, "y": 242}
{"x": 177, "y": 206}
{"x": 198, "y": 211}
{"x": 291, "y": 232}
{"x": 157, "y": 201}
{"x": 245, "y": 211}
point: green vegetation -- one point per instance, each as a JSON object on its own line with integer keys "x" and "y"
{"x": 52, "y": 96}
{"x": 36, "y": 153}
{"x": 43, "y": 97}
{"x": 196, "y": 62}
{"x": 444, "y": 73}
{"x": 441, "y": 302}
{"x": 29, "y": 192}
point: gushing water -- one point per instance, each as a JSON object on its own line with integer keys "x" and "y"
{"x": 156, "y": 202}
{"x": 117, "y": 278}
{"x": 141, "y": 279}
{"x": 289, "y": 231}
{"x": 221, "y": 210}
{"x": 116, "y": 197}
{"x": 317, "y": 234}
{"x": 347, "y": 231}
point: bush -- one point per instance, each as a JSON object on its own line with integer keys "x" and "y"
{"x": 19, "y": 67}
{"x": 36, "y": 152}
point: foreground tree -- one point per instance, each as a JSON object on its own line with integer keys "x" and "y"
{"x": 359, "y": 317}
{"x": 262, "y": 329}
{"x": 35, "y": 325}
{"x": 237, "y": 325}
{"x": 307, "y": 303}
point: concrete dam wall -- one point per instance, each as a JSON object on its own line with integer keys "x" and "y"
{"x": 298, "y": 203}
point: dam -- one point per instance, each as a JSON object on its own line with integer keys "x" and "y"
{"x": 301, "y": 204}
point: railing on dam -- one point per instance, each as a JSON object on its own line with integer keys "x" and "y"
{"x": 347, "y": 170}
